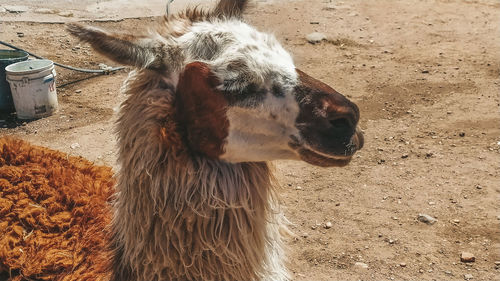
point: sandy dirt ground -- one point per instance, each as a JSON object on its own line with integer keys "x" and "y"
{"x": 426, "y": 76}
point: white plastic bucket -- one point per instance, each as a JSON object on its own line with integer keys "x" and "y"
{"x": 33, "y": 87}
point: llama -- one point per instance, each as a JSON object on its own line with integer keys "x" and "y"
{"x": 210, "y": 101}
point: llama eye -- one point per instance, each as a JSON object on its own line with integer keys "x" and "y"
{"x": 250, "y": 96}
{"x": 277, "y": 91}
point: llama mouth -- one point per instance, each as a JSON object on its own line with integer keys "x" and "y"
{"x": 317, "y": 158}
{"x": 322, "y": 160}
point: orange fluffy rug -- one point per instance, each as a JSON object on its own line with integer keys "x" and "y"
{"x": 54, "y": 213}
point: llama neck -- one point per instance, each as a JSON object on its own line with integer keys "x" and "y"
{"x": 195, "y": 220}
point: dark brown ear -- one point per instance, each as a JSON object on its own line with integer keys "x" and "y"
{"x": 230, "y": 8}
{"x": 201, "y": 110}
{"x": 141, "y": 52}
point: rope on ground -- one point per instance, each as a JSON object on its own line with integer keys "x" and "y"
{"x": 99, "y": 71}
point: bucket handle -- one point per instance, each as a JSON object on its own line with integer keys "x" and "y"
{"x": 49, "y": 78}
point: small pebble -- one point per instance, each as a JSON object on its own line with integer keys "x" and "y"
{"x": 315, "y": 37}
{"x": 468, "y": 276}
{"x": 329, "y": 8}
{"x": 426, "y": 219}
{"x": 16, "y": 9}
{"x": 74, "y": 145}
{"x": 45, "y": 11}
{"x": 461, "y": 134}
{"x": 78, "y": 91}
{"x": 66, "y": 14}
{"x": 328, "y": 225}
{"x": 467, "y": 257}
{"x": 361, "y": 265}
{"x": 479, "y": 187}
{"x": 402, "y": 264}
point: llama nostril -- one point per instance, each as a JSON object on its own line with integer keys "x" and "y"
{"x": 341, "y": 125}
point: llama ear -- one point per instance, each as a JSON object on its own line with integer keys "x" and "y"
{"x": 230, "y": 8}
{"x": 201, "y": 110}
{"x": 141, "y": 52}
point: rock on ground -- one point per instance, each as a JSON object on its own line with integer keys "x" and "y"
{"x": 315, "y": 37}
{"x": 66, "y": 14}
{"x": 16, "y": 9}
{"x": 467, "y": 257}
{"x": 361, "y": 265}
{"x": 45, "y": 11}
{"x": 426, "y": 219}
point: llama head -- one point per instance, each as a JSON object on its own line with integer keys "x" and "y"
{"x": 238, "y": 95}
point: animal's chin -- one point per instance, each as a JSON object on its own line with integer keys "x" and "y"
{"x": 316, "y": 159}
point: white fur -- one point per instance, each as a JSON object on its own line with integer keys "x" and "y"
{"x": 257, "y": 133}
{"x": 255, "y": 136}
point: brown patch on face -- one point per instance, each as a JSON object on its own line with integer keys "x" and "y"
{"x": 201, "y": 110}
{"x": 327, "y": 123}
{"x": 332, "y": 101}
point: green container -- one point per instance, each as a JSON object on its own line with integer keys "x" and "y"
{"x": 8, "y": 57}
